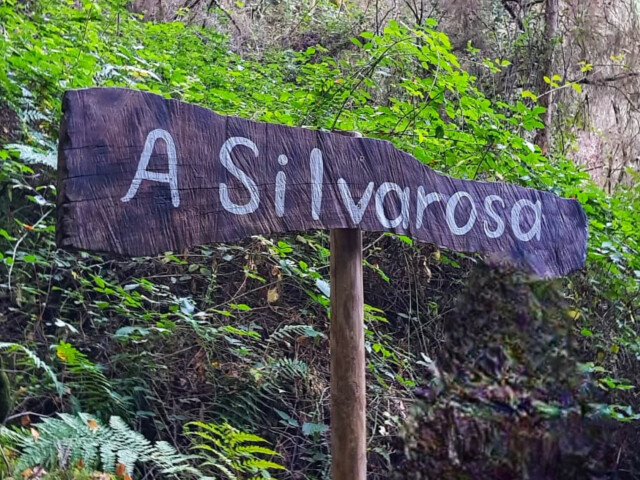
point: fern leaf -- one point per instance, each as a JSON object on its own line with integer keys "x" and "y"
{"x": 222, "y": 468}
{"x": 261, "y": 464}
{"x": 230, "y": 450}
{"x": 256, "y": 449}
{"x": 30, "y": 155}
{"x": 81, "y": 437}
{"x": 37, "y": 362}
{"x": 293, "y": 331}
{"x": 243, "y": 437}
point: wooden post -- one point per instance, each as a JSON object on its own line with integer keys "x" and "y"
{"x": 348, "y": 401}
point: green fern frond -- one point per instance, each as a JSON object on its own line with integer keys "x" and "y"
{"x": 244, "y": 437}
{"x": 287, "y": 368}
{"x": 230, "y": 475}
{"x": 229, "y": 450}
{"x": 82, "y": 437}
{"x": 8, "y": 436}
{"x": 205, "y": 426}
{"x": 282, "y": 372}
{"x": 31, "y": 155}
{"x": 206, "y": 436}
{"x": 251, "y": 449}
{"x": 36, "y": 361}
{"x": 291, "y": 332}
{"x": 87, "y": 378}
{"x": 261, "y": 464}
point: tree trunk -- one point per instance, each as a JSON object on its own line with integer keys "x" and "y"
{"x": 543, "y": 137}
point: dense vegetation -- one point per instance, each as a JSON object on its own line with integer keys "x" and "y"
{"x": 213, "y": 362}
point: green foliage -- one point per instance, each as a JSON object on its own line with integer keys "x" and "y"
{"x": 523, "y": 397}
{"x": 35, "y": 360}
{"x": 88, "y": 385}
{"x": 64, "y": 441}
{"x": 225, "y": 450}
{"x": 237, "y": 333}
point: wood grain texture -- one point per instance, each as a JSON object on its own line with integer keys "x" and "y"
{"x": 348, "y": 387}
{"x": 103, "y": 136}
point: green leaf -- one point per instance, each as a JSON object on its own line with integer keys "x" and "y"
{"x": 243, "y": 307}
{"x": 309, "y": 428}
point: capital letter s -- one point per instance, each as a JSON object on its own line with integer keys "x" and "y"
{"x": 249, "y": 184}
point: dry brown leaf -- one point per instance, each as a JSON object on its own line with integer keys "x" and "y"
{"x": 273, "y": 295}
{"x": 35, "y": 434}
{"x": 275, "y": 271}
{"x": 121, "y": 469}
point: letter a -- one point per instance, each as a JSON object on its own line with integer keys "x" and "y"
{"x": 142, "y": 174}
{"x": 516, "y": 213}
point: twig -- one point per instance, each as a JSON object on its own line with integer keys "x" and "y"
{"x": 22, "y": 414}
{"x": 511, "y": 11}
{"x": 217, "y": 4}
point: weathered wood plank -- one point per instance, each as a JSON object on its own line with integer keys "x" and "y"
{"x": 214, "y": 178}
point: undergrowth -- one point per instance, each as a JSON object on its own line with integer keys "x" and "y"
{"x": 231, "y": 339}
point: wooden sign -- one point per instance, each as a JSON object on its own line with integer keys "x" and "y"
{"x": 140, "y": 174}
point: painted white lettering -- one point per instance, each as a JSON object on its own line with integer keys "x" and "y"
{"x": 423, "y": 201}
{"x": 249, "y": 184}
{"x": 281, "y": 185}
{"x": 382, "y": 192}
{"x": 355, "y": 211}
{"x": 281, "y": 181}
{"x": 142, "y": 174}
{"x": 317, "y": 172}
{"x": 516, "y": 212}
{"x": 451, "y": 214}
{"x": 488, "y": 206}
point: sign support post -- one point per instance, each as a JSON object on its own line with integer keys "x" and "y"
{"x": 348, "y": 402}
